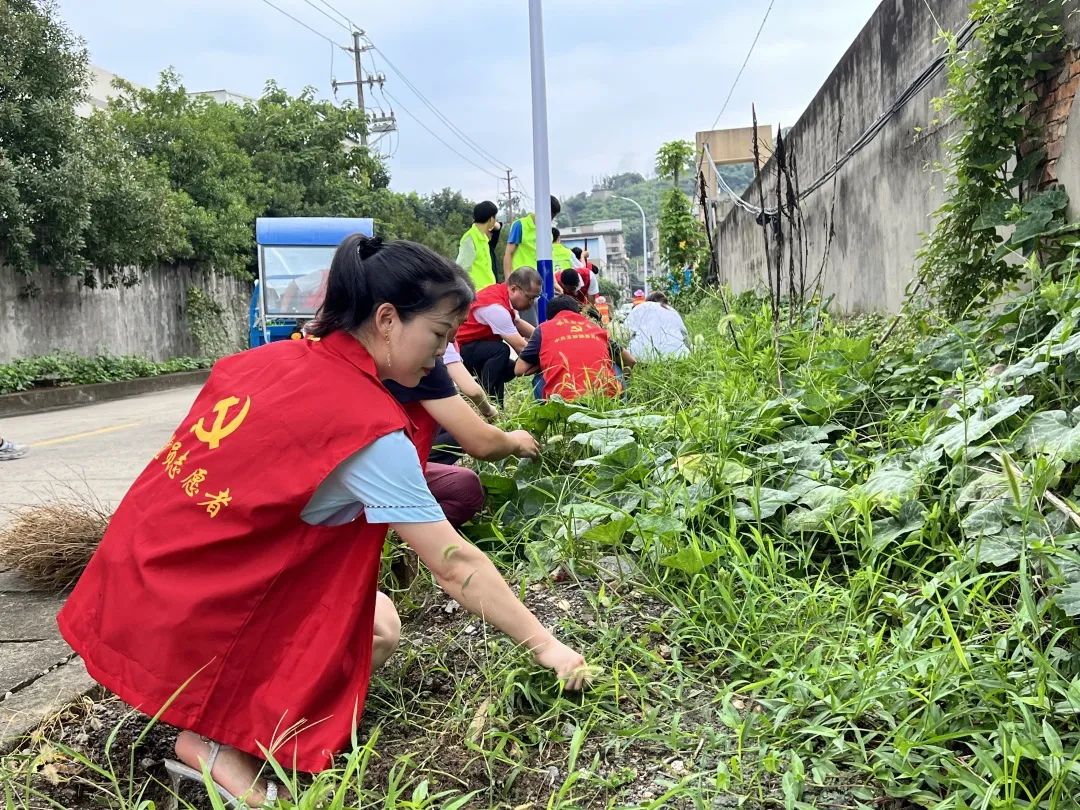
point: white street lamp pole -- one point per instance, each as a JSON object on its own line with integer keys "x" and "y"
{"x": 644, "y": 241}
{"x": 541, "y": 179}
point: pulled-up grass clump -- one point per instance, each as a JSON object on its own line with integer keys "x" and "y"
{"x": 51, "y": 543}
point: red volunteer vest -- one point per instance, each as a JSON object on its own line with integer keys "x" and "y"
{"x": 472, "y": 330}
{"x": 210, "y": 591}
{"x": 425, "y": 427}
{"x": 586, "y": 279}
{"x": 575, "y": 359}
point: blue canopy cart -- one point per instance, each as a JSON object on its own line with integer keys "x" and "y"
{"x": 294, "y": 263}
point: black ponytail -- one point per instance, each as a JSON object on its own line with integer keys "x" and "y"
{"x": 367, "y": 272}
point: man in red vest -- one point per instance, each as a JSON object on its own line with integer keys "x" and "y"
{"x": 494, "y": 327}
{"x": 575, "y": 356}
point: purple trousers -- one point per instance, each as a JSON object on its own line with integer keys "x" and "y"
{"x": 458, "y": 491}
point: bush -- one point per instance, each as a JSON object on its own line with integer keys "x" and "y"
{"x": 67, "y": 368}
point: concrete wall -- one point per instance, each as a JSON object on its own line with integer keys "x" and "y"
{"x": 147, "y": 319}
{"x": 885, "y": 194}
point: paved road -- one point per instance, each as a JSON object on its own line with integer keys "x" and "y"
{"x": 96, "y": 449}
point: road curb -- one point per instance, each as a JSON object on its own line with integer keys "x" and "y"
{"x": 53, "y": 692}
{"x": 51, "y": 399}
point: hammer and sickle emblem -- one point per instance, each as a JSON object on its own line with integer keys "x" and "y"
{"x": 221, "y": 429}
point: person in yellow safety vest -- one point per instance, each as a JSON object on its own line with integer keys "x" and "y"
{"x": 474, "y": 252}
{"x": 561, "y": 257}
{"x": 521, "y": 243}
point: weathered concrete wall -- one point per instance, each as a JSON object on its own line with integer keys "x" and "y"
{"x": 886, "y": 193}
{"x": 147, "y": 319}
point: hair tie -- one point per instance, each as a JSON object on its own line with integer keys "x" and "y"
{"x": 368, "y": 247}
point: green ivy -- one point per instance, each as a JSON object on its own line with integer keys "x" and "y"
{"x": 966, "y": 259}
{"x": 207, "y": 320}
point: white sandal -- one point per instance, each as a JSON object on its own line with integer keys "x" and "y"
{"x": 178, "y": 772}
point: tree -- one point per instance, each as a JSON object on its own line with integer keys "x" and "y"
{"x": 446, "y": 215}
{"x": 160, "y": 176}
{"x": 436, "y": 220}
{"x": 196, "y": 143}
{"x": 135, "y": 216}
{"x": 614, "y": 182}
{"x": 682, "y": 239}
{"x": 611, "y": 292}
{"x": 673, "y": 158}
{"x": 308, "y": 154}
{"x": 44, "y": 173}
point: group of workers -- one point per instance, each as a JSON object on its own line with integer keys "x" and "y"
{"x": 236, "y": 594}
{"x": 570, "y": 353}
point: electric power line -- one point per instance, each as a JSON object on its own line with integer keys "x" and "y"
{"x": 331, "y": 19}
{"x": 450, "y": 124}
{"x": 917, "y": 85}
{"x": 303, "y": 24}
{"x": 744, "y": 64}
{"x": 352, "y": 25}
{"x": 397, "y": 143}
{"x": 522, "y": 191}
{"x": 333, "y": 76}
{"x": 436, "y": 137}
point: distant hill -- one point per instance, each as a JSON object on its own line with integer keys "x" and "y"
{"x": 586, "y": 206}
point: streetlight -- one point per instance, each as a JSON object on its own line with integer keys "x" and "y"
{"x": 541, "y": 179}
{"x": 644, "y": 241}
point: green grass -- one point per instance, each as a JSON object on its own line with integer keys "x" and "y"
{"x": 852, "y": 582}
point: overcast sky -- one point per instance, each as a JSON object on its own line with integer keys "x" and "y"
{"x": 623, "y": 76}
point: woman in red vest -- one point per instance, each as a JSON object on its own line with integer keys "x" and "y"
{"x": 589, "y": 274}
{"x": 236, "y": 589}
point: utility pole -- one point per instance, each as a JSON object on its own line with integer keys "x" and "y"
{"x": 376, "y": 124}
{"x": 509, "y": 199}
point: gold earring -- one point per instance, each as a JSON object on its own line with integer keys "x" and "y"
{"x": 388, "y": 361}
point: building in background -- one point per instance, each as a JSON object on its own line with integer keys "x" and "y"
{"x": 224, "y": 97}
{"x": 606, "y": 244}
{"x": 98, "y": 91}
{"x": 727, "y": 147}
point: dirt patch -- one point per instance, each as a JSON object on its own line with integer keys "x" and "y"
{"x": 54, "y": 767}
